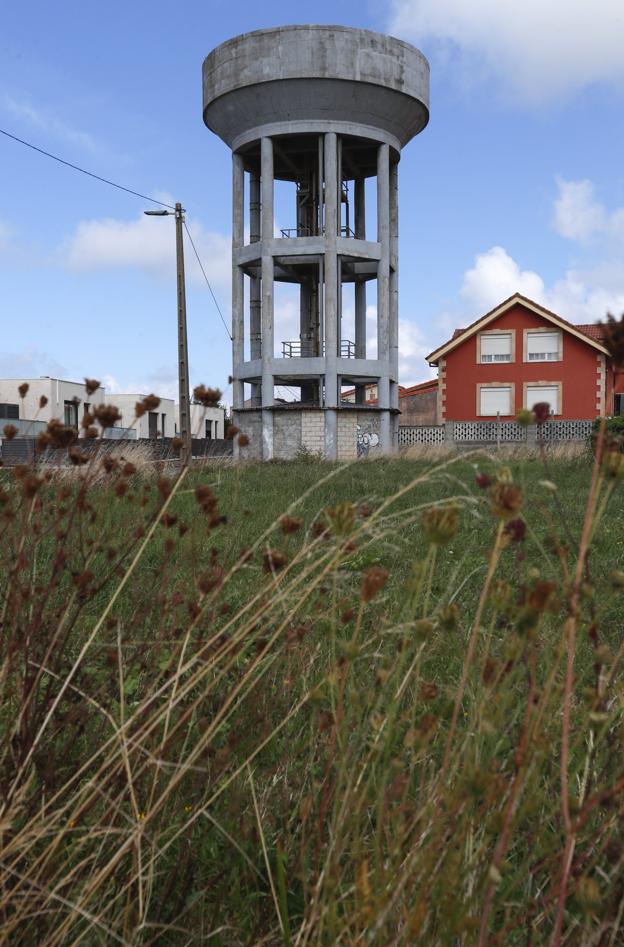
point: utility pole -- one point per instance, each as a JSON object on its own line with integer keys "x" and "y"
{"x": 183, "y": 380}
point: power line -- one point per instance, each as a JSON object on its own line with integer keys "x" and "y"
{"x": 128, "y": 190}
{"x": 207, "y": 280}
{"x": 90, "y": 174}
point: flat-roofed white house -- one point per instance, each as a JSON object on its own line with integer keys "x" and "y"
{"x": 153, "y": 424}
{"x": 66, "y": 400}
{"x": 206, "y": 423}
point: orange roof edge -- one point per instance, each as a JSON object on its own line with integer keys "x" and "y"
{"x": 588, "y": 330}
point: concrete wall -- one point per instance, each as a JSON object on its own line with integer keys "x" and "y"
{"x": 419, "y": 408}
{"x": 358, "y": 433}
{"x": 286, "y": 434}
{"x": 368, "y": 433}
{"x": 250, "y": 424}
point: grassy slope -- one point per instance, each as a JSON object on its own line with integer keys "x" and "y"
{"x": 323, "y": 760}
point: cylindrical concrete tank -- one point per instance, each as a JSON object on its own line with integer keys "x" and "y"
{"x": 322, "y": 112}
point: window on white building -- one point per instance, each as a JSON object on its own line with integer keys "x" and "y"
{"x": 543, "y": 346}
{"x": 495, "y": 400}
{"x": 208, "y": 430}
{"x": 543, "y": 394}
{"x": 495, "y": 347}
{"x": 71, "y": 412}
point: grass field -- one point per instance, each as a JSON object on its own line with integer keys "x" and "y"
{"x": 299, "y": 703}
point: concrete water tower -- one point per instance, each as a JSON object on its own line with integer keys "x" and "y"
{"x": 322, "y": 112}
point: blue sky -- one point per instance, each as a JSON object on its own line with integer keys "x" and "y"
{"x": 516, "y": 184}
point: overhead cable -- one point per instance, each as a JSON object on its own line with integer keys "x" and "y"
{"x": 90, "y": 174}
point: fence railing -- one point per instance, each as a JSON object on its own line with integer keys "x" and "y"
{"x": 307, "y": 348}
{"x": 493, "y": 432}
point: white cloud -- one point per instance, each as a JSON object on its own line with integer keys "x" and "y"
{"x": 162, "y": 382}
{"x": 536, "y": 50}
{"x": 47, "y": 122}
{"x": 494, "y": 277}
{"x": 579, "y": 216}
{"x": 147, "y": 243}
{"x": 413, "y": 348}
{"x": 579, "y": 296}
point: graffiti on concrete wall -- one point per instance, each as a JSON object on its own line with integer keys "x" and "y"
{"x": 366, "y": 438}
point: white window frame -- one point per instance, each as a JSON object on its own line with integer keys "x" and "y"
{"x": 497, "y": 384}
{"x": 541, "y": 331}
{"x": 484, "y": 359}
{"x": 529, "y": 385}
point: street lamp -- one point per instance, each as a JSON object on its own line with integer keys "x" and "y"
{"x": 183, "y": 380}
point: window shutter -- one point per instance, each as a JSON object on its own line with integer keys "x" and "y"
{"x": 549, "y": 394}
{"x": 495, "y": 401}
{"x": 543, "y": 345}
{"x": 496, "y": 346}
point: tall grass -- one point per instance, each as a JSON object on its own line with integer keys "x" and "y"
{"x": 381, "y": 716}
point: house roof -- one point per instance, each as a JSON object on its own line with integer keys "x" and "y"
{"x": 588, "y": 333}
{"x": 421, "y": 387}
{"x": 594, "y": 330}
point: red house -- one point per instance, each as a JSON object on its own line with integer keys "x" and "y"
{"x": 520, "y": 354}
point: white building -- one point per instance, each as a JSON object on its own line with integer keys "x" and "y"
{"x": 158, "y": 423}
{"x": 206, "y": 423}
{"x": 66, "y": 400}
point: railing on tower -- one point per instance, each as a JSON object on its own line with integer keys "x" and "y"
{"x": 307, "y": 348}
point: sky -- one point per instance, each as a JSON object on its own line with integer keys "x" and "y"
{"x": 516, "y": 184}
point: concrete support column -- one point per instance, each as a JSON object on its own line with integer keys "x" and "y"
{"x": 238, "y": 278}
{"x": 359, "y": 223}
{"x": 383, "y": 293}
{"x": 360, "y": 285}
{"x": 267, "y": 298}
{"x": 255, "y": 321}
{"x": 331, "y": 294}
{"x": 394, "y": 301}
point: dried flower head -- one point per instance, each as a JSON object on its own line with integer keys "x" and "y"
{"x": 9, "y": 431}
{"x": 43, "y": 401}
{"x": 541, "y": 412}
{"x": 440, "y": 523}
{"x": 506, "y": 499}
{"x": 23, "y": 389}
{"x": 613, "y": 338}
{"x": 290, "y": 524}
{"x": 42, "y": 441}
{"x": 373, "y": 581}
{"x": 91, "y": 385}
{"x": 205, "y": 498}
{"x": 61, "y": 435}
{"x": 208, "y": 397}
{"x": 273, "y": 560}
{"x": 232, "y": 430}
{"x": 106, "y": 415}
{"x": 243, "y": 440}
{"x": 78, "y": 457}
{"x": 524, "y": 417}
{"x": 516, "y": 530}
{"x": 177, "y": 443}
{"x": 484, "y": 481}
{"x": 150, "y": 402}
